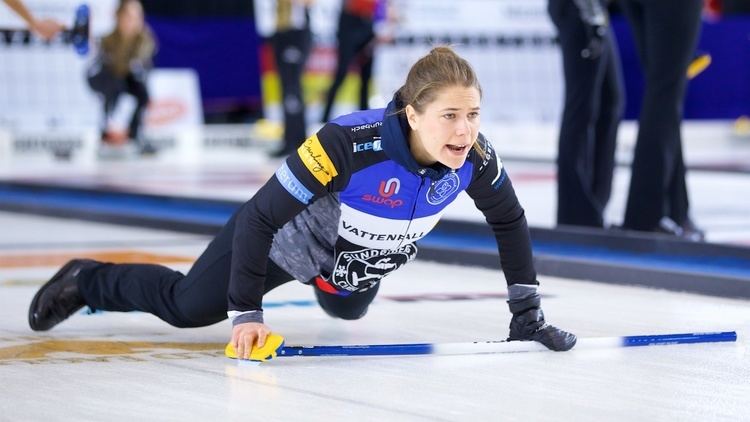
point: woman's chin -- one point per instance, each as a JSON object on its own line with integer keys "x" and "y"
{"x": 454, "y": 162}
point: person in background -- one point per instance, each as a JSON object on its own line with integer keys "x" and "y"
{"x": 592, "y": 112}
{"x": 122, "y": 65}
{"x": 45, "y": 28}
{"x": 340, "y": 214}
{"x": 291, "y": 43}
{"x": 356, "y": 38}
{"x": 730, "y": 7}
{"x": 666, "y": 34}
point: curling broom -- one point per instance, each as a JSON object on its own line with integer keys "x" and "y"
{"x": 275, "y": 346}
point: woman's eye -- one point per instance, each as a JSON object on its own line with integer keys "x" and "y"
{"x": 449, "y": 116}
{"x": 473, "y": 115}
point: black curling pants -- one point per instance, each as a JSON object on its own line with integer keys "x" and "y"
{"x": 198, "y": 298}
{"x": 666, "y": 33}
{"x": 110, "y": 87}
{"x": 591, "y": 116}
{"x": 291, "y": 49}
{"x": 355, "y": 35}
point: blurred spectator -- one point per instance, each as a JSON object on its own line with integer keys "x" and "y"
{"x": 592, "y": 112}
{"x": 122, "y": 65}
{"x": 714, "y": 10}
{"x": 356, "y": 38}
{"x": 733, "y": 7}
{"x": 666, "y": 33}
{"x": 291, "y": 46}
{"x": 45, "y": 28}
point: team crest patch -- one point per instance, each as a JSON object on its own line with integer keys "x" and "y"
{"x": 443, "y": 188}
{"x": 317, "y": 160}
{"x": 362, "y": 269}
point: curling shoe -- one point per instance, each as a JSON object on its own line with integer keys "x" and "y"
{"x": 59, "y": 298}
{"x": 553, "y": 338}
{"x": 529, "y": 324}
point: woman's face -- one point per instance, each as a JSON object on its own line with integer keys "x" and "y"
{"x": 446, "y": 129}
{"x": 130, "y": 20}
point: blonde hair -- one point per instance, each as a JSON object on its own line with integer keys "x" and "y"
{"x": 125, "y": 3}
{"x": 440, "y": 68}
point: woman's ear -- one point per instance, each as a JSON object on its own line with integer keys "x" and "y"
{"x": 411, "y": 116}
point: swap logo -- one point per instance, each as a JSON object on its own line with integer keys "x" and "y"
{"x": 386, "y": 190}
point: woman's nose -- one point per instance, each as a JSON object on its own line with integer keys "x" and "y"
{"x": 462, "y": 127}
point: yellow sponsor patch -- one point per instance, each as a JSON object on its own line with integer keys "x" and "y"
{"x": 317, "y": 160}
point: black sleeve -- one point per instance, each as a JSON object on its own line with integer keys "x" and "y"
{"x": 493, "y": 194}
{"x": 320, "y": 166}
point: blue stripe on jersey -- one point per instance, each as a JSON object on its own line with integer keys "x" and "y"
{"x": 292, "y": 185}
{"x": 359, "y": 118}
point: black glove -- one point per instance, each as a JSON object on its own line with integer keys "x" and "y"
{"x": 528, "y": 324}
{"x": 595, "y": 46}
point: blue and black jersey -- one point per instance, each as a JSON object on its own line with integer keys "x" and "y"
{"x": 348, "y": 207}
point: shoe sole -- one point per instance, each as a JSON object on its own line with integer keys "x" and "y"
{"x": 38, "y": 295}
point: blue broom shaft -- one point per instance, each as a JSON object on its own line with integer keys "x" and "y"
{"x": 359, "y": 350}
{"x": 631, "y": 341}
{"x": 502, "y": 346}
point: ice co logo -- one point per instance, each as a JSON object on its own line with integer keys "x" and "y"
{"x": 443, "y": 188}
{"x": 368, "y": 146}
{"x": 387, "y": 189}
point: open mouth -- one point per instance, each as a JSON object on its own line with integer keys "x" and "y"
{"x": 457, "y": 148}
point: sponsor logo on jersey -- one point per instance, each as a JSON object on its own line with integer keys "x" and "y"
{"x": 293, "y": 185}
{"x": 387, "y": 189}
{"x": 501, "y": 175}
{"x": 358, "y": 232}
{"x": 317, "y": 160}
{"x": 379, "y": 200}
{"x": 356, "y": 129}
{"x": 363, "y": 269}
{"x": 368, "y": 146}
{"x": 443, "y": 188}
{"x": 488, "y": 154}
{"x": 499, "y": 179}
